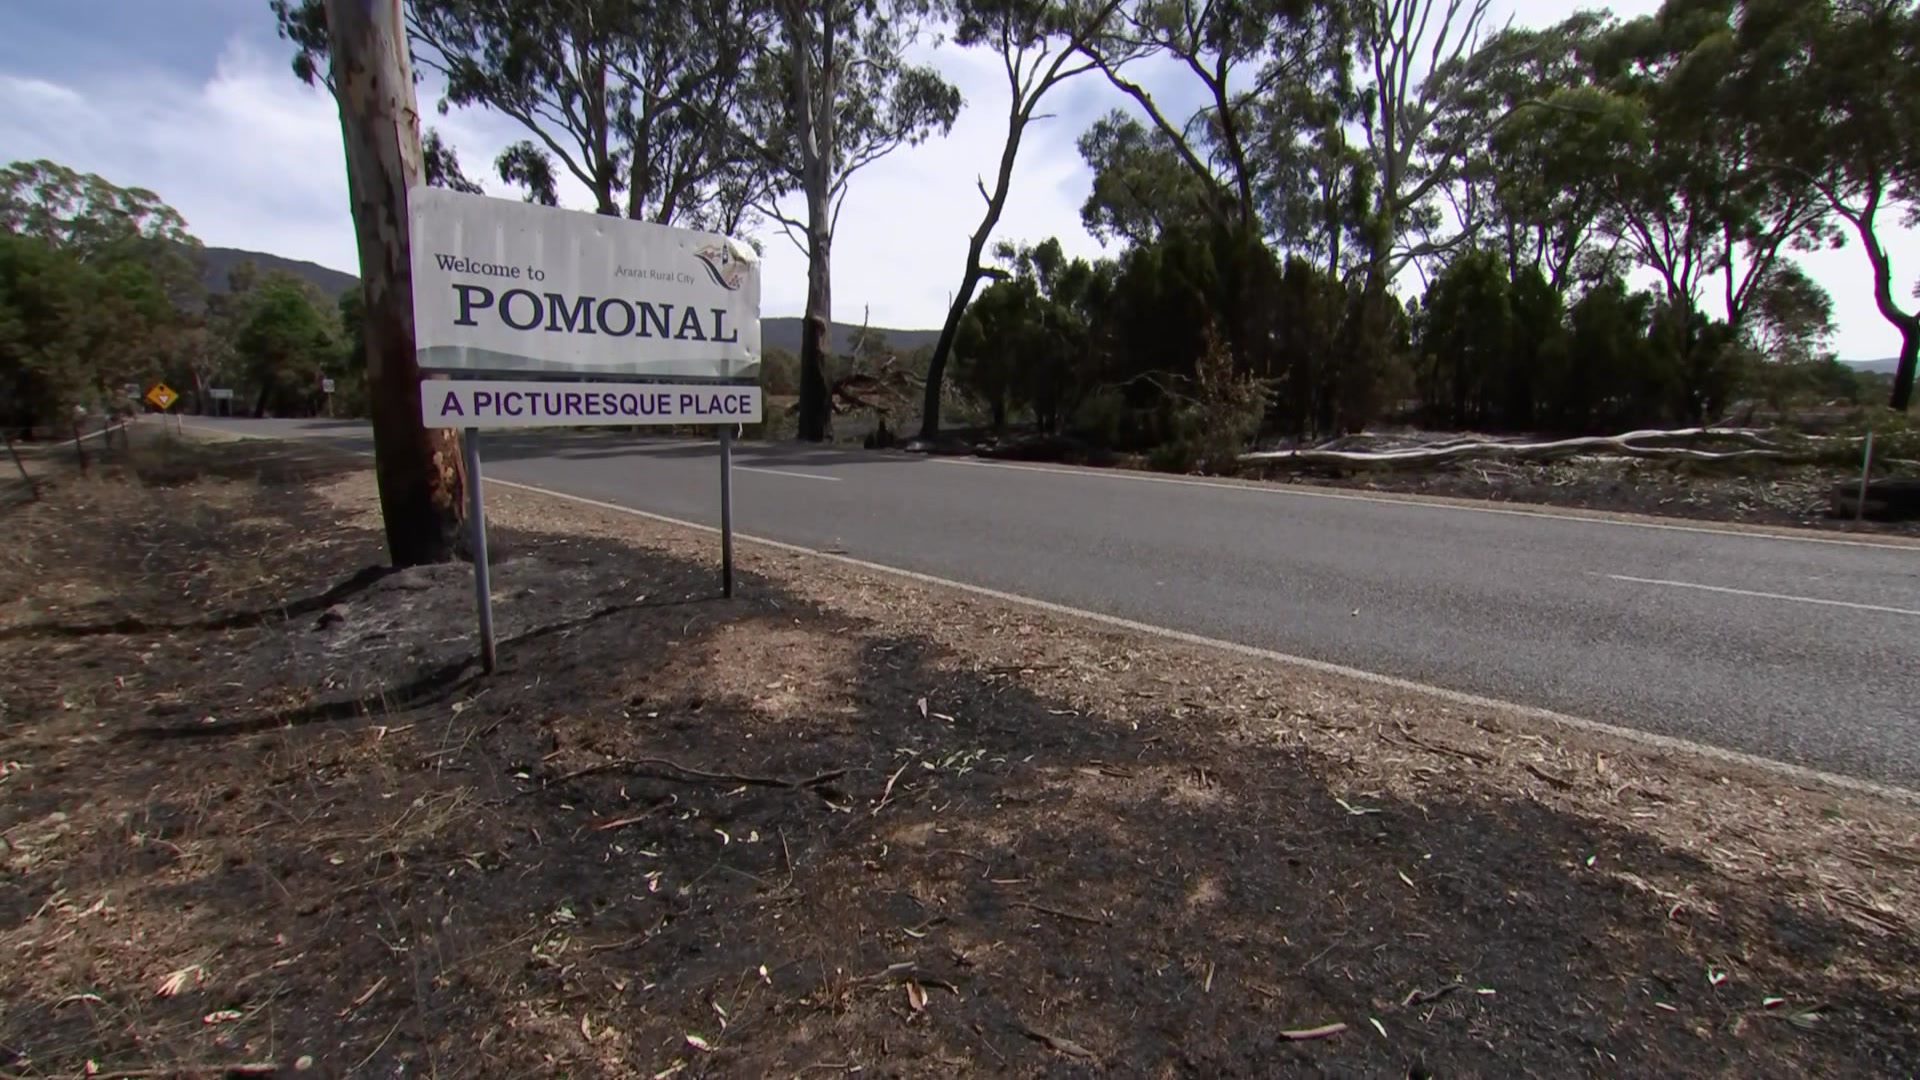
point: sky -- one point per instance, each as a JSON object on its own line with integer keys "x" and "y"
{"x": 195, "y": 100}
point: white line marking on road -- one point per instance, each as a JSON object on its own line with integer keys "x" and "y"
{"x": 783, "y": 472}
{"x": 1764, "y": 595}
{"x": 1382, "y": 500}
{"x": 1670, "y": 743}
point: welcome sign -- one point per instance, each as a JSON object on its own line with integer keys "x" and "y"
{"x": 502, "y": 287}
{"x": 490, "y": 404}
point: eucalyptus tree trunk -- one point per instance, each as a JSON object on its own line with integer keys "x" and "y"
{"x": 421, "y": 482}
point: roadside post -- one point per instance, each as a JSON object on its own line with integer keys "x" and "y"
{"x": 726, "y": 510}
{"x": 79, "y": 447}
{"x": 33, "y": 488}
{"x": 477, "y": 524}
{"x": 1866, "y": 476}
{"x": 533, "y": 317}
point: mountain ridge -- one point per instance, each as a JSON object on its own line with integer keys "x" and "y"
{"x": 776, "y": 331}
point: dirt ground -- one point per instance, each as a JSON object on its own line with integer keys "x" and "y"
{"x": 262, "y": 815}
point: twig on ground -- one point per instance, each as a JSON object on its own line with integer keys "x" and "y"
{"x": 1321, "y": 1032}
{"x": 1055, "y": 1042}
{"x": 687, "y": 774}
{"x": 1470, "y": 755}
{"x": 887, "y": 795}
{"x": 1417, "y": 996}
{"x": 1075, "y": 916}
{"x": 1559, "y": 782}
{"x": 242, "y": 1069}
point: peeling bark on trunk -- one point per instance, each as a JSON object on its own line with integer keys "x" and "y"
{"x": 815, "y": 339}
{"x": 418, "y": 469}
{"x": 1903, "y": 373}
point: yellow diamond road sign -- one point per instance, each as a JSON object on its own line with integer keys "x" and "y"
{"x": 162, "y": 396}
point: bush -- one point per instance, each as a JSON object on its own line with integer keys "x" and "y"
{"x": 1208, "y": 433}
{"x": 1101, "y": 416}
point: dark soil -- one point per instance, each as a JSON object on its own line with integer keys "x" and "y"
{"x": 1750, "y": 492}
{"x": 260, "y": 809}
{"x": 1756, "y": 494}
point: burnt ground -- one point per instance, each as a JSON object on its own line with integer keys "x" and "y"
{"x": 1746, "y": 492}
{"x": 1755, "y": 493}
{"x": 263, "y": 816}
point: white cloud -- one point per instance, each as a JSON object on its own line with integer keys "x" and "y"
{"x": 252, "y": 159}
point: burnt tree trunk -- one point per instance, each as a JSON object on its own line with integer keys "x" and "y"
{"x": 816, "y": 340}
{"x": 1909, "y": 360}
{"x": 970, "y": 279}
{"x": 422, "y": 484}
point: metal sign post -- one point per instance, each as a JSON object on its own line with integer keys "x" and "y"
{"x": 726, "y": 511}
{"x": 477, "y": 522}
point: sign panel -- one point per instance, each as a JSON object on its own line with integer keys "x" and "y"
{"x": 161, "y": 396}
{"x": 450, "y": 403}
{"x": 326, "y": 386}
{"x": 217, "y": 393}
{"x": 502, "y": 286}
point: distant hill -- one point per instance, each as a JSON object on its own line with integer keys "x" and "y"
{"x": 781, "y": 332}
{"x": 216, "y": 263}
{"x": 1883, "y": 367}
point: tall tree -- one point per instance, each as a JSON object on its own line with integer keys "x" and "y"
{"x": 1792, "y": 317}
{"x": 139, "y": 293}
{"x": 1238, "y": 53}
{"x": 629, "y": 98}
{"x": 1038, "y": 43}
{"x": 1535, "y": 180}
{"x": 287, "y": 341}
{"x": 418, "y": 469}
{"x": 1840, "y": 81}
{"x": 1141, "y": 187}
{"x": 304, "y": 23}
{"x": 836, "y": 94}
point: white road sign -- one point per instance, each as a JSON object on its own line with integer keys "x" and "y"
{"x": 463, "y": 403}
{"x": 502, "y": 286}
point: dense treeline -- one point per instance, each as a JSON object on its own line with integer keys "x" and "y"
{"x": 1378, "y": 207}
{"x": 100, "y": 290}
{"x": 1592, "y": 224}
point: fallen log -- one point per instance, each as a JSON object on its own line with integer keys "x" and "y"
{"x": 1683, "y": 444}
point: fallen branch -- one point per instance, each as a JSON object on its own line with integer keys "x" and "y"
{"x": 1322, "y": 1032}
{"x": 1061, "y": 914}
{"x": 242, "y": 1069}
{"x": 1418, "y": 996}
{"x": 687, "y": 774}
{"x": 1055, "y": 1042}
{"x": 1680, "y": 444}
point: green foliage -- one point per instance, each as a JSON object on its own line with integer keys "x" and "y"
{"x": 43, "y": 369}
{"x": 630, "y": 98}
{"x": 288, "y": 341}
{"x": 97, "y": 290}
{"x": 780, "y": 373}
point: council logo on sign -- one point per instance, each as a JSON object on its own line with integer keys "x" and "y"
{"x": 723, "y": 267}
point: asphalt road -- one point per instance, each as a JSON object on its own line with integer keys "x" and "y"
{"x": 1800, "y": 650}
